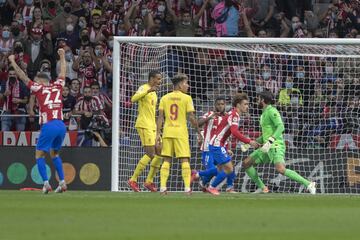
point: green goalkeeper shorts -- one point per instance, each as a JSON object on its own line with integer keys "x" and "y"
{"x": 275, "y": 155}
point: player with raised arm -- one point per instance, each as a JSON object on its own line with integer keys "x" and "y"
{"x": 229, "y": 125}
{"x": 273, "y": 148}
{"x": 210, "y": 121}
{"x": 145, "y": 125}
{"x": 174, "y": 108}
{"x": 53, "y": 130}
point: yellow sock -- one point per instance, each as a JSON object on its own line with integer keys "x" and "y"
{"x": 154, "y": 168}
{"x": 164, "y": 174}
{"x": 140, "y": 167}
{"x": 186, "y": 174}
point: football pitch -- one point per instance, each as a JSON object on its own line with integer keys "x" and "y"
{"x": 106, "y": 215}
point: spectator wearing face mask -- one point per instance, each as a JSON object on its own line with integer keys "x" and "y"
{"x": 290, "y": 94}
{"x": 27, "y": 12}
{"x": 38, "y": 48}
{"x": 71, "y": 34}
{"x": 272, "y": 82}
{"x": 6, "y": 40}
{"x": 78, "y": 10}
{"x": 185, "y": 25}
{"x": 88, "y": 106}
{"x": 105, "y": 66}
{"x": 143, "y": 22}
{"x": 59, "y": 25}
{"x": 21, "y": 58}
{"x": 18, "y": 31}
{"x": 51, "y": 10}
{"x": 297, "y": 30}
{"x": 69, "y": 58}
{"x": 68, "y": 104}
{"x": 15, "y": 97}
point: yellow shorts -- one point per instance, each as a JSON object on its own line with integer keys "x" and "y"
{"x": 147, "y": 136}
{"x": 179, "y": 146}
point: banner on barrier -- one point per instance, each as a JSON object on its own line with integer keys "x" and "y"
{"x": 84, "y": 168}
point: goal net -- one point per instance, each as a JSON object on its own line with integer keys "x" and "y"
{"x": 315, "y": 83}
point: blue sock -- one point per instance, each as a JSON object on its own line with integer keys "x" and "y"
{"x": 42, "y": 168}
{"x": 219, "y": 178}
{"x": 207, "y": 174}
{"x": 59, "y": 169}
{"x": 230, "y": 179}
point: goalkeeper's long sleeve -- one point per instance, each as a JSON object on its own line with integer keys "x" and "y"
{"x": 278, "y": 123}
{"x": 235, "y": 131}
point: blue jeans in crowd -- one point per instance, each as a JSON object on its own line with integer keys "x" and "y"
{"x": 7, "y": 122}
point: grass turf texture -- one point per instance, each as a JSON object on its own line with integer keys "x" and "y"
{"x": 105, "y": 215}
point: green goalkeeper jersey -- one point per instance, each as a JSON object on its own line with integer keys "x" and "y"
{"x": 271, "y": 126}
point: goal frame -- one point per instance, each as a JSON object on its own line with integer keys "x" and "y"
{"x": 188, "y": 40}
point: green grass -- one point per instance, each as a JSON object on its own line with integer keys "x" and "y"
{"x": 105, "y": 215}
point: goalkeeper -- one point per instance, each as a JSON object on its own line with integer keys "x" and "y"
{"x": 273, "y": 149}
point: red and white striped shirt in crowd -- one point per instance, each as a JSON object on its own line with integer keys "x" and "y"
{"x": 87, "y": 75}
{"x": 113, "y": 23}
{"x": 273, "y": 84}
{"x": 204, "y": 18}
{"x": 6, "y": 46}
{"x": 228, "y": 125}
{"x": 135, "y": 32}
{"x": 93, "y": 105}
{"x": 49, "y": 98}
{"x": 105, "y": 100}
{"x": 209, "y": 129}
{"x": 27, "y": 15}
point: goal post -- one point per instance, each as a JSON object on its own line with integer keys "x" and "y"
{"x": 315, "y": 83}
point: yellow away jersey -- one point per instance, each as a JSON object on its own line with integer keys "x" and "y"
{"x": 146, "y": 107}
{"x": 176, "y": 105}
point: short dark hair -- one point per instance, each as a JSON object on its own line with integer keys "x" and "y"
{"x": 220, "y": 98}
{"x": 11, "y": 68}
{"x": 153, "y": 73}
{"x": 267, "y": 96}
{"x": 238, "y": 98}
{"x": 178, "y": 78}
{"x": 94, "y": 84}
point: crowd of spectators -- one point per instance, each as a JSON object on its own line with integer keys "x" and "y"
{"x": 33, "y": 30}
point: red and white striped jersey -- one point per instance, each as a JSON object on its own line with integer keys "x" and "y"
{"x": 49, "y": 98}
{"x": 209, "y": 129}
{"x": 93, "y": 105}
{"x": 229, "y": 125}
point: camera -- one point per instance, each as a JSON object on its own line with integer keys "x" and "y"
{"x": 96, "y": 125}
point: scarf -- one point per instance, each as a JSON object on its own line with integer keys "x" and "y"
{"x": 15, "y": 93}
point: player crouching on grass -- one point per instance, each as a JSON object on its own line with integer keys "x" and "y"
{"x": 229, "y": 125}
{"x": 273, "y": 148}
{"x": 53, "y": 130}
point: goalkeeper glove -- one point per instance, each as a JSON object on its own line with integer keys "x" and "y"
{"x": 266, "y": 147}
{"x": 244, "y": 147}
